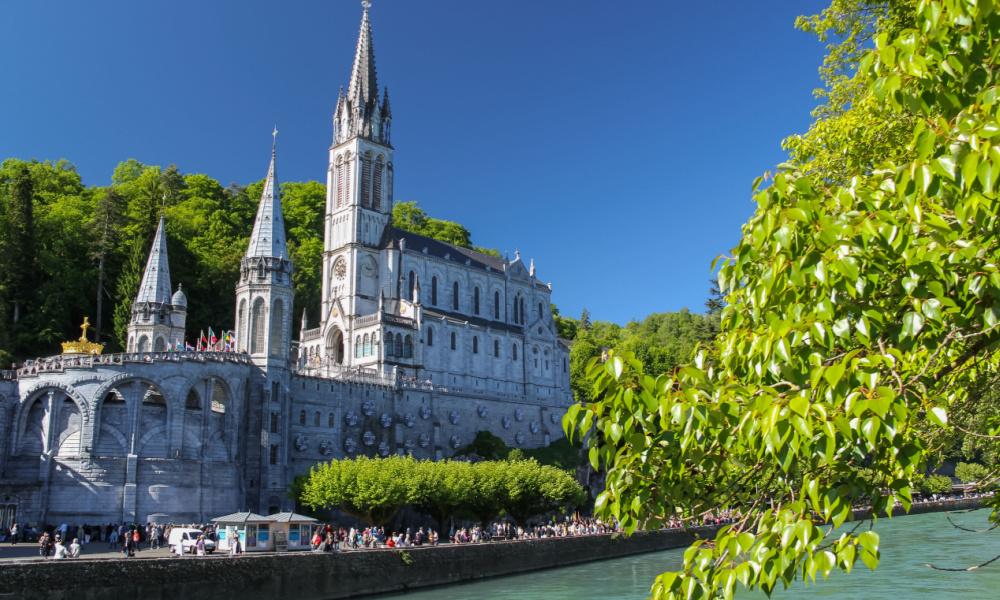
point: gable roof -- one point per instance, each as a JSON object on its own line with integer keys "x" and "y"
{"x": 416, "y": 243}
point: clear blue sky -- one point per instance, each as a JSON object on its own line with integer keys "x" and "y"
{"x": 614, "y": 142}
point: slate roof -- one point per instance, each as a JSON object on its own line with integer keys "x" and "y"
{"x": 268, "y": 237}
{"x": 416, "y": 243}
{"x": 241, "y": 517}
{"x": 290, "y": 517}
{"x": 155, "y": 286}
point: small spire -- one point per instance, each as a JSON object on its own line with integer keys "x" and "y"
{"x": 381, "y": 300}
{"x": 155, "y": 286}
{"x": 268, "y": 237}
{"x": 386, "y": 109}
{"x": 274, "y": 141}
{"x": 416, "y": 289}
{"x": 305, "y": 320}
{"x": 531, "y": 268}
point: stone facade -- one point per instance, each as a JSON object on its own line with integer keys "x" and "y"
{"x": 420, "y": 345}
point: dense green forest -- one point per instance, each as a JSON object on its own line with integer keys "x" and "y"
{"x": 61, "y": 241}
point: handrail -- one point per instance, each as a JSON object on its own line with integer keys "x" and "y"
{"x": 59, "y": 364}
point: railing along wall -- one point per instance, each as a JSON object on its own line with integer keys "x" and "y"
{"x": 58, "y": 364}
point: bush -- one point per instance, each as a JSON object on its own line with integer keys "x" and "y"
{"x": 935, "y": 484}
{"x": 971, "y": 472}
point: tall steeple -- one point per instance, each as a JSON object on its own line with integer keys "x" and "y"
{"x": 364, "y": 84}
{"x": 268, "y": 237}
{"x": 359, "y": 112}
{"x": 155, "y": 287}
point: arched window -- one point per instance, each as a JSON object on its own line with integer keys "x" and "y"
{"x": 430, "y": 336}
{"x": 475, "y": 344}
{"x": 375, "y": 344}
{"x": 260, "y": 270}
{"x": 412, "y": 282}
{"x": 274, "y": 422}
{"x": 408, "y": 347}
{"x": 331, "y": 420}
{"x": 475, "y": 301}
{"x": 277, "y": 322}
{"x": 347, "y": 177}
{"x": 496, "y": 348}
{"x": 274, "y": 454}
{"x": 357, "y": 347}
{"x": 377, "y": 183}
{"x": 339, "y": 180}
{"x": 366, "y": 177}
{"x": 434, "y": 291}
{"x": 496, "y": 305}
{"x": 516, "y": 301}
{"x": 366, "y": 346}
{"x": 316, "y": 419}
{"x": 454, "y": 295}
{"x": 192, "y": 402}
{"x": 522, "y": 311}
{"x": 539, "y": 310}
{"x": 241, "y": 323}
{"x": 302, "y": 417}
{"x": 453, "y": 340}
{"x": 257, "y": 327}
{"x": 514, "y": 351}
{"x": 143, "y": 345}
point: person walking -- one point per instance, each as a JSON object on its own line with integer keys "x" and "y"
{"x": 74, "y": 549}
{"x": 14, "y": 531}
{"x": 44, "y": 545}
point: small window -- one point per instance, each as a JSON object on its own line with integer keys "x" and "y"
{"x": 434, "y": 290}
{"x": 454, "y": 295}
{"x": 539, "y": 310}
{"x": 496, "y": 348}
{"x": 302, "y": 417}
{"x": 330, "y": 420}
{"x": 357, "y": 347}
{"x": 514, "y": 351}
{"x": 475, "y": 301}
{"x": 274, "y": 422}
{"x": 274, "y": 454}
{"x": 408, "y": 347}
{"x": 475, "y": 344}
{"x": 316, "y": 419}
{"x": 496, "y": 305}
{"x": 453, "y": 340}
{"x": 430, "y": 336}
{"x": 412, "y": 282}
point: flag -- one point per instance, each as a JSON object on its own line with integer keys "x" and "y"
{"x": 229, "y": 341}
{"x": 188, "y": 346}
{"x": 201, "y": 340}
{"x": 212, "y": 340}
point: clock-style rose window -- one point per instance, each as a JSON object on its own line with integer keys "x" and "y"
{"x": 340, "y": 268}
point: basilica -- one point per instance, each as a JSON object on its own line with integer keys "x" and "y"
{"x": 419, "y": 345}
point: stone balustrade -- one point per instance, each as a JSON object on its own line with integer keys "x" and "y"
{"x": 59, "y": 364}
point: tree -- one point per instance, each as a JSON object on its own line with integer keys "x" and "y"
{"x": 371, "y": 489}
{"x": 971, "y": 472}
{"x": 410, "y": 217}
{"x": 106, "y": 223}
{"x": 860, "y": 309}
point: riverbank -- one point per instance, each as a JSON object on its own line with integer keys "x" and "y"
{"x": 324, "y": 576}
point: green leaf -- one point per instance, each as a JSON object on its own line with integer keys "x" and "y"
{"x": 912, "y": 324}
{"x": 833, "y": 373}
{"x": 938, "y": 416}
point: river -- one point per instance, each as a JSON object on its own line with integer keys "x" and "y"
{"x": 908, "y": 543}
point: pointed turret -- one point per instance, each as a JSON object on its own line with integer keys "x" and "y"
{"x": 158, "y": 315}
{"x": 268, "y": 237}
{"x": 155, "y": 286}
{"x": 363, "y": 90}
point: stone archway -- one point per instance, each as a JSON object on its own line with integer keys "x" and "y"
{"x": 335, "y": 346}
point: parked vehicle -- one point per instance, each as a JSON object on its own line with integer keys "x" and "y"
{"x": 187, "y": 537}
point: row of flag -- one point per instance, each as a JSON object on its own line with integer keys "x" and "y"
{"x": 224, "y": 342}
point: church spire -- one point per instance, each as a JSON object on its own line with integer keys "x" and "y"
{"x": 268, "y": 237}
{"x": 363, "y": 89}
{"x": 155, "y": 286}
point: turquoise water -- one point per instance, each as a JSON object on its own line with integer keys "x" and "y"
{"x": 908, "y": 543}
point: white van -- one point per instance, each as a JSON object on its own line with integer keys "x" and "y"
{"x": 187, "y": 537}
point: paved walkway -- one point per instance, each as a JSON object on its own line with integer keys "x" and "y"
{"x": 29, "y": 552}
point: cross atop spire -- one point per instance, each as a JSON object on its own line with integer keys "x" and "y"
{"x": 268, "y": 237}
{"x": 155, "y": 286}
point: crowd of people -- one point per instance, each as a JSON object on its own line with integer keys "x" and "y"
{"x": 68, "y": 541}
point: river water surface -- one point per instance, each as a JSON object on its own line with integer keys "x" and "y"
{"x": 908, "y": 543}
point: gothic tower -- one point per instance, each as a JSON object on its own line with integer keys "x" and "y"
{"x": 264, "y": 291}
{"x": 158, "y": 319}
{"x": 359, "y": 195}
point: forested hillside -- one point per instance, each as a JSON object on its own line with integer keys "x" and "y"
{"x": 62, "y": 240}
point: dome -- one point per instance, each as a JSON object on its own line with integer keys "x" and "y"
{"x": 179, "y": 300}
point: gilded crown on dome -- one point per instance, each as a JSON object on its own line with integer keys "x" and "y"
{"x": 82, "y": 345}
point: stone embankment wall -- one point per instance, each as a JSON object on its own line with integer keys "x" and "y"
{"x": 313, "y": 576}
{"x": 927, "y": 507}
